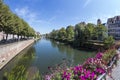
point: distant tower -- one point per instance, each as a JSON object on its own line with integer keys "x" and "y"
{"x": 99, "y": 22}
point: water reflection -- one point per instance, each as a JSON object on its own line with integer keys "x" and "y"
{"x": 75, "y": 56}
{"x": 36, "y": 59}
{"x": 22, "y": 69}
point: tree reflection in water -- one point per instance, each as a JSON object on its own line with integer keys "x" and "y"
{"x": 73, "y": 55}
{"x": 22, "y": 70}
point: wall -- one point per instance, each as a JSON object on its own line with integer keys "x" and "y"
{"x": 7, "y": 52}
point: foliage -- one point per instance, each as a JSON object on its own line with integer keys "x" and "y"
{"x": 90, "y": 70}
{"x": 22, "y": 71}
{"x": 10, "y": 23}
{"x": 79, "y": 31}
{"x": 108, "y": 55}
{"x": 101, "y": 32}
{"x": 82, "y": 34}
{"x": 109, "y": 41}
{"x": 70, "y": 32}
{"x": 54, "y": 34}
{"x": 62, "y": 34}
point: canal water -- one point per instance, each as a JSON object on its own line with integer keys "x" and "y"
{"x": 41, "y": 55}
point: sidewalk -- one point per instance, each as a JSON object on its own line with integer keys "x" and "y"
{"x": 115, "y": 72}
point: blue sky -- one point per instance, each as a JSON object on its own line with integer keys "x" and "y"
{"x": 46, "y": 15}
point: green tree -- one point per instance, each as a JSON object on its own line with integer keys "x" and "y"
{"x": 62, "y": 34}
{"x": 6, "y": 19}
{"x": 12, "y": 24}
{"x": 89, "y": 30}
{"x": 25, "y": 31}
{"x": 101, "y": 32}
{"x": 70, "y": 32}
{"x": 54, "y": 34}
{"x": 13, "y": 27}
{"x": 31, "y": 32}
{"x": 79, "y": 31}
{"x": 108, "y": 42}
{"x": 79, "y": 34}
{"x": 8, "y": 28}
{"x": 18, "y": 25}
{"x": 4, "y": 16}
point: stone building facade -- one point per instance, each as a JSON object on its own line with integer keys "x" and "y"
{"x": 114, "y": 27}
{"x": 99, "y": 22}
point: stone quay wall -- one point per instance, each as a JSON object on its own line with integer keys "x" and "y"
{"x": 9, "y": 51}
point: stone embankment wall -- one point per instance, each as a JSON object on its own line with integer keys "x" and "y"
{"x": 9, "y": 51}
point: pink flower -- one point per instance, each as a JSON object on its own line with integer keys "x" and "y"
{"x": 87, "y": 74}
{"x": 99, "y": 55}
{"x": 100, "y": 70}
{"x": 82, "y": 77}
{"x": 92, "y": 75}
{"x": 66, "y": 75}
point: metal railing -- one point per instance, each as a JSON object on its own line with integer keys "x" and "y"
{"x": 103, "y": 76}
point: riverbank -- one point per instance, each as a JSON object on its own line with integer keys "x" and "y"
{"x": 88, "y": 46}
{"x": 9, "y": 51}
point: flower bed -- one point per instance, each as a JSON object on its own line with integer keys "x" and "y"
{"x": 91, "y": 69}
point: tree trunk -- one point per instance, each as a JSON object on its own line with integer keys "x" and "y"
{"x": 6, "y": 37}
{"x": 13, "y": 37}
{"x": 3, "y": 35}
{"x": 18, "y": 37}
{"x": 24, "y": 36}
{"x": 21, "y": 37}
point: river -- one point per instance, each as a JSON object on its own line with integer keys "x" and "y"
{"x": 41, "y": 55}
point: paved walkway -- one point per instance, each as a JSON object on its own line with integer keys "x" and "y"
{"x": 115, "y": 72}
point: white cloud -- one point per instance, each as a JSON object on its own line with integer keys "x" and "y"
{"x": 22, "y": 12}
{"x": 31, "y": 17}
{"x": 87, "y": 2}
{"x": 26, "y": 14}
{"x": 34, "y": 18}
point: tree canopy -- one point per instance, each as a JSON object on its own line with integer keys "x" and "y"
{"x": 82, "y": 34}
{"x": 10, "y": 23}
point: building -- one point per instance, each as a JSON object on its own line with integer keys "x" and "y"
{"x": 1, "y": 35}
{"x": 114, "y": 27}
{"x": 37, "y": 34}
{"x": 99, "y": 22}
{"x": 105, "y": 24}
{"x": 10, "y": 36}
